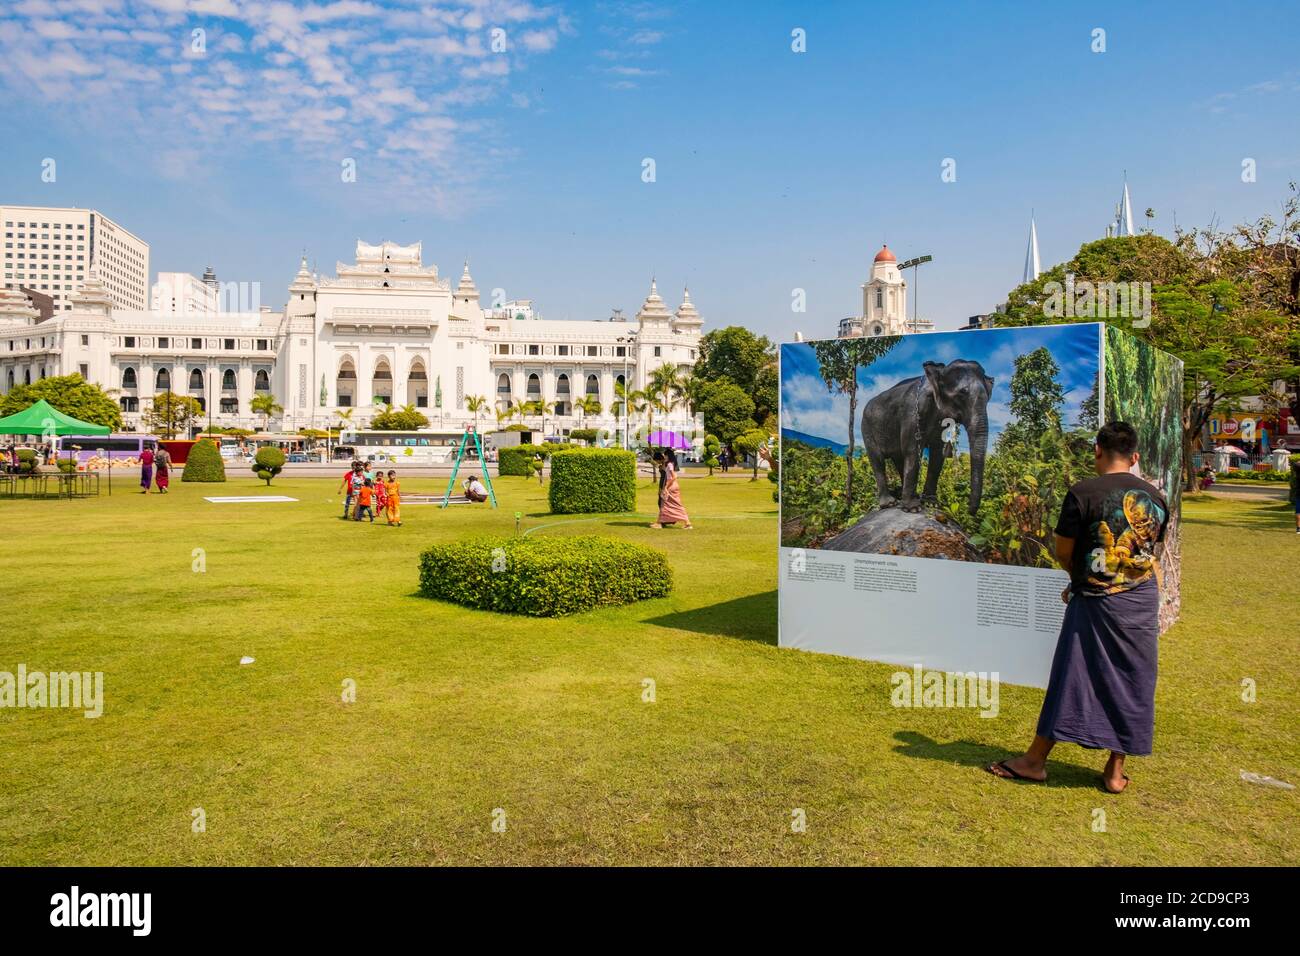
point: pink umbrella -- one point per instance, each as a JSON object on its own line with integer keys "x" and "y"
{"x": 661, "y": 438}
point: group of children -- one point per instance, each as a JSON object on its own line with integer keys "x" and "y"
{"x": 369, "y": 492}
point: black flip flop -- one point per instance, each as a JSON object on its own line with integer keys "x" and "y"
{"x": 1014, "y": 775}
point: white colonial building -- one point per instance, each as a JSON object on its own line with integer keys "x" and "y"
{"x": 387, "y": 330}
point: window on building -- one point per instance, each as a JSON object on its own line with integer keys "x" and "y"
{"x": 263, "y": 345}
{"x": 228, "y": 379}
{"x": 84, "y": 370}
{"x": 534, "y": 350}
{"x": 162, "y": 381}
{"x": 85, "y": 340}
{"x": 164, "y": 342}
{"x": 658, "y": 351}
{"x": 228, "y": 344}
{"x": 196, "y": 343}
{"x": 129, "y": 341}
{"x": 196, "y": 380}
{"x": 129, "y": 403}
{"x": 262, "y": 381}
{"x": 128, "y": 377}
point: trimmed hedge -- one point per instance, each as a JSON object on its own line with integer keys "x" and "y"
{"x": 518, "y": 459}
{"x": 593, "y": 481}
{"x": 204, "y": 463}
{"x": 544, "y": 577}
{"x": 268, "y": 462}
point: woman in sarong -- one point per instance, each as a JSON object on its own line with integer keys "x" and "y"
{"x": 670, "y": 497}
{"x": 146, "y": 471}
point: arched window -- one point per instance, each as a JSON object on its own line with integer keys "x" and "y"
{"x": 27, "y": 376}
{"x": 345, "y": 386}
{"x": 196, "y": 380}
{"x": 620, "y": 380}
{"x": 162, "y": 382}
{"x": 228, "y": 379}
{"x": 880, "y": 298}
{"x": 503, "y": 390}
{"x": 128, "y": 377}
{"x": 10, "y": 379}
{"x": 562, "y": 395}
{"x": 417, "y": 385}
{"x": 262, "y": 381}
{"x": 593, "y": 387}
{"x": 534, "y": 387}
{"x": 381, "y": 383}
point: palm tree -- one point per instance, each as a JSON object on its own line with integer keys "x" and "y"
{"x": 637, "y": 403}
{"x": 477, "y": 404}
{"x": 266, "y": 406}
{"x": 503, "y": 415}
{"x": 543, "y": 408}
{"x": 663, "y": 391}
{"x": 518, "y": 409}
{"x": 590, "y": 405}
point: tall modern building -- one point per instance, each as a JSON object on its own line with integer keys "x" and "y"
{"x": 179, "y": 293}
{"x": 48, "y": 249}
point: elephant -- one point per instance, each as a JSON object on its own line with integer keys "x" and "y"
{"x": 921, "y": 413}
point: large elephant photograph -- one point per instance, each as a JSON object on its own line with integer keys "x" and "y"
{"x": 948, "y": 445}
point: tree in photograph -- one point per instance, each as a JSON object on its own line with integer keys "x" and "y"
{"x": 170, "y": 413}
{"x": 728, "y": 412}
{"x": 69, "y": 394}
{"x": 1036, "y": 396}
{"x": 839, "y": 360}
{"x": 266, "y": 406}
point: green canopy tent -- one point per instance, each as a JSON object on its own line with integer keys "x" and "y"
{"x": 45, "y": 420}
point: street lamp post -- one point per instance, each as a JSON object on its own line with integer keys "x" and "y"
{"x": 916, "y": 289}
{"x": 630, "y": 340}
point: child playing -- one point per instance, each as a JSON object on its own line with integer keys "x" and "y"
{"x": 381, "y": 492}
{"x": 394, "y": 500}
{"x": 365, "y": 499}
{"x": 352, "y": 481}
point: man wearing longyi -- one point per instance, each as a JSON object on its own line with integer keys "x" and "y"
{"x": 1101, "y": 692}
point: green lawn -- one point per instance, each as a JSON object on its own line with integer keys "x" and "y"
{"x": 460, "y": 712}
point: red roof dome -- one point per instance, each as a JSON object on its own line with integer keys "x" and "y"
{"x": 884, "y": 255}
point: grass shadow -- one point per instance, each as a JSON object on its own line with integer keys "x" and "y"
{"x": 968, "y": 753}
{"x": 751, "y": 618}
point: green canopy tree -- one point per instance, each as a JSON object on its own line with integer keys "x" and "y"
{"x": 170, "y": 413}
{"x": 728, "y": 411}
{"x": 70, "y": 394}
{"x": 407, "y": 418}
{"x": 838, "y": 360}
{"x": 737, "y": 355}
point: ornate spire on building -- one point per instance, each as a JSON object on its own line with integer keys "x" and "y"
{"x": 688, "y": 317}
{"x": 466, "y": 289}
{"x": 653, "y": 311}
{"x": 304, "y": 281}
{"x": 16, "y": 308}
{"x": 91, "y": 295}
{"x": 209, "y": 277}
{"x": 1032, "y": 267}
{"x": 1124, "y": 214}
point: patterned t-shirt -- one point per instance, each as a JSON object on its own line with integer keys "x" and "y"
{"x": 1116, "y": 521}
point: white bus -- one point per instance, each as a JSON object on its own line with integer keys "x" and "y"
{"x": 428, "y": 446}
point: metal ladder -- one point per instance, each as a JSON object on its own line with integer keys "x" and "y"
{"x": 460, "y": 454}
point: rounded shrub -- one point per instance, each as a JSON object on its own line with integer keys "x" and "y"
{"x": 518, "y": 459}
{"x": 544, "y": 577}
{"x": 593, "y": 481}
{"x": 204, "y": 463}
{"x": 267, "y": 463}
{"x": 587, "y": 435}
{"x": 26, "y": 461}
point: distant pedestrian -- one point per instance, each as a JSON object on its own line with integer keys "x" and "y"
{"x": 146, "y": 471}
{"x": 353, "y": 479}
{"x": 365, "y": 502}
{"x": 163, "y": 467}
{"x": 671, "y": 510}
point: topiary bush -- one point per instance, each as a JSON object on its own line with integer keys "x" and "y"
{"x": 204, "y": 463}
{"x": 593, "y": 481}
{"x": 518, "y": 459}
{"x": 587, "y": 435}
{"x": 267, "y": 463}
{"x": 544, "y": 577}
{"x": 26, "y": 461}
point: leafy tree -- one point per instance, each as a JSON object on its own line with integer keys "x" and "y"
{"x": 1037, "y": 397}
{"x": 738, "y": 355}
{"x": 170, "y": 413}
{"x": 752, "y": 442}
{"x": 402, "y": 420}
{"x": 839, "y": 361}
{"x": 476, "y": 405}
{"x": 70, "y": 394}
{"x": 266, "y": 406}
{"x": 728, "y": 411}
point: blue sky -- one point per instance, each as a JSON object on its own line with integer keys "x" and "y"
{"x": 808, "y": 406}
{"x": 775, "y": 170}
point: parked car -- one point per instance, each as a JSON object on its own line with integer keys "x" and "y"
{"x": 297, "y": 457}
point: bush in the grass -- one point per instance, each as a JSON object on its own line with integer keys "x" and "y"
{"x": 204, "y": 463}
{"x": 267, "y": 463}
{"x": 518, "y": 459}
{"x": 66, "y": 465}
{"x": 587, "y": 435}
{"x": 543, "y": 577}
{"x": 26, "y": 461}
{"x": 593, "y": 480}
